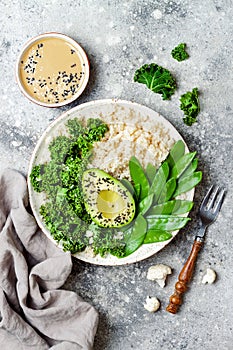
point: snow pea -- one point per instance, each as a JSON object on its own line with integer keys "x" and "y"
{"x": 167, "y": 191}
{"x": 154, "y": 236}
{"x": 182, "y": 164}
{"x": 137, "y": 191}
{"x": 145, "y": 204}
{"x": 174, "y": 207}
{"x": 190, "y": 169}
{"x": 166, "y": 222}
{"x": 159, "y": 181}
{"x": 176, "y": 152}
{"x": 137, "y": 235}
{"x": 128, "y": 185}
{"x": 139, "y": 177}
{"x": 150, "y": 172}
{"x": 187, "y": 183}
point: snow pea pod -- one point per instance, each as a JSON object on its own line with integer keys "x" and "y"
{"x": 190, "y": 169}
{"x": 166, "y": 222}
{"x": 145, "y": 204}
{"x": 167, "y": 191}
{"x": 154, "y": 236}
{"x": 137, "y": 191}
{"x": 150, "y": 172}
{"x": 182, "y": 164}
{"x": 176, "y": 152}
{"x": 137, "y": 235}
{"x": 139, "y": 177}
{"x": 187, "y": 183}
{"x": 159, "y": 181}
{"x": 128, "y": 185}
{"x": 174, "y": 207}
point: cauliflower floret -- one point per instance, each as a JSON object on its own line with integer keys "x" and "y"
{"x": 152, "y": 304}
{"x": 209, "y": 277}
{"x": 159, "y": 274}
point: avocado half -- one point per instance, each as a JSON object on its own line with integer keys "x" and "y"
{"x": 107, "y": 200}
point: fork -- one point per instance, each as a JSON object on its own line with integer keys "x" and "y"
{"x": 208, "y": 212}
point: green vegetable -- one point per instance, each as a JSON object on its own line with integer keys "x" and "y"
{"x": 190, "y": 105}
{"x": 174, "y": 207}
{"x": 166, "y": 222}
{"x": 190, "y": 169}
{"x": 157, "y": 79}
{"x": 153, "y": 236}
{"x": 150, "y": 172}
{"x": 139, "y": 177}
{"x": 182, "y": 164}
{"x": 137, "y": 191}
{"x": 179, "y": 53}
{"x": 136, "y": 236}
{"x": 187, "y": 183}
{"x": 145, "y": 204}
{"x": 167, "y": 191}
{"x": 176, "y": 152}
{"x": 105, "y": 241}
{"x": 64, "y": 212}
{"x": 36, "y": 177}
{"x": 128, "y": 185}
{"x": 159, "y": 181}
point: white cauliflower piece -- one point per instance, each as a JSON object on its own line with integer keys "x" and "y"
{"x": 209, "y": 277}
{"x": 152, "y": 304}
{"x": 159, "y": 274}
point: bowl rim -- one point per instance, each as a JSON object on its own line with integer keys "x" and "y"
{"x": 67, "y": 39}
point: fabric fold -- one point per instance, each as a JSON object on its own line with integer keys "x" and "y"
{"x": 34, "y": 313}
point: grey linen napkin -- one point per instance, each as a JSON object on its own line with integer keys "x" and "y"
{"x": 34, "y": 313}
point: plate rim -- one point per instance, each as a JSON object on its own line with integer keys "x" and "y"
{"x": 64, "y": 115}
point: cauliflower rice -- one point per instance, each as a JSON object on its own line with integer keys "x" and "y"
{"x": 135, "y": 136}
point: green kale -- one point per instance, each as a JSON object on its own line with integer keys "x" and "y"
{"x": 190, "y": 106}
{"x": 106, "y": 240}
{"x": 64, "y": 212}
{"x": 179, "y": 53}
{"x": 36, "y": 178}
{"x": 59, "y": 148}
{"x": 157, "y": 79}
{"x": 75, "y": 128}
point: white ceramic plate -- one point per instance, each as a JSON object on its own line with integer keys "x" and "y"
{"x": 115, "y": 113}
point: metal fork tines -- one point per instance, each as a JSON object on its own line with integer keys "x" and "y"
{"x": 210, "y": 207}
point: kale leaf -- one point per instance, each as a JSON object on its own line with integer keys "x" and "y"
{"x": 179, "y": 53}
{"x": 107, "y": 240}
{"x": 190, "y": 105}
{"x": 64, "y": 212}
{"x": 36, "y": 178}
{"x": 157, "y": 79}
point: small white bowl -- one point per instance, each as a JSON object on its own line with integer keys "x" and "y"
{"x": 61, "y": 87}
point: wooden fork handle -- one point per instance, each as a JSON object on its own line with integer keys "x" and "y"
{"x": 184, "y": 278}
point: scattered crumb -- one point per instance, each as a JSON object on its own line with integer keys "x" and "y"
{"x": 159, "y": 274}
{"x": 209, "y": 277}
{"x": 152, "y": 304}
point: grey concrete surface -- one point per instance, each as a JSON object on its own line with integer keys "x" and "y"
{"x": 118, "y": 37}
